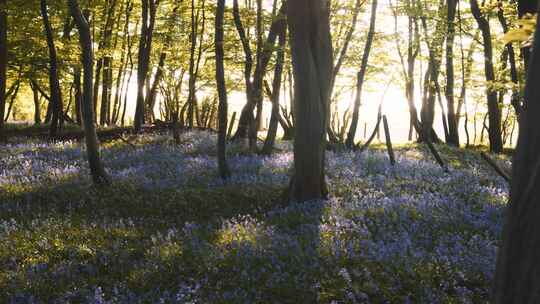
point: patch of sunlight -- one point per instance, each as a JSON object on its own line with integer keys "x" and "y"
{"x": 237, "y": 233}
{"x": 166, "y": 252}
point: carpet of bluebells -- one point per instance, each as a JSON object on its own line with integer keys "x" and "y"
{"x": 169, "y": 230}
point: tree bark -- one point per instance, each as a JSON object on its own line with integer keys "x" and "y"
{"x": 495, "y": 137}
{"x": 99, "y": 175}
{"x": 222, "y": 91}
{"x": 56, "y": 95}
{"x": 362, "y": 75}
{"x": 453, "y": 134}
{"x": 517, "y": 276}
{"x": 312, "y": 60}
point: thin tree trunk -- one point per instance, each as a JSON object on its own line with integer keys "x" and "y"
{"x": 254, "y": 88}
{"x": 276, "y": 89}
{"x": 12, "y": 98}
{"x": 222, "y": 91}
{"x": 434, "y": 47}
{"x": 145, "y": 47}
{"x": 99, "y": 175}
{"x": 495, "y": 139}
{"x": 78, "y": 96}
{"x": 361, "y": 76}
{"x": 152, "y": 94}
{"x": 453, "y": 134}
{"x": 515, "y": 100}
{"x": 56, "y": 95}
{"x": 347, "y": 41}
{"x": 37, "y": 106}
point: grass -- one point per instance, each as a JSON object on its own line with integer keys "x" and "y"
{"x": 169, "y": 231}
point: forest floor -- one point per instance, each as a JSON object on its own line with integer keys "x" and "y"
{"x": 170, "y": 231}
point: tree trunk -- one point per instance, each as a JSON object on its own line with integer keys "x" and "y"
{"x": 222, "y": 92}
{"x": 312, "y": 60}
{"x": 526, "y": 7}
{"x": 362, "y": 75}
{"x": 152, "y": 93}
{"x": 192, "y": 81}
{"x": 145, "y": 47}
{"x": 99, "y": 175}
{"x": 517, "y": 276}
{"x": 37, "y": 106}
{"x": 346, "y": 42}
{"x": 453, "y": 134}
{"x": 3, "y": 61}
{"x": 495, "y": 138}
{"x": 246, "y": 122}
{"x": 276, "y": 89}
{"x": 434, "y": 47}
{"x": 56, "y": 95}
{"x": 78, "y": 96}
{"x": 516, "y": 99}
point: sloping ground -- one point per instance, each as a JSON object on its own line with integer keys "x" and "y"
{"x": 170, "y": 231}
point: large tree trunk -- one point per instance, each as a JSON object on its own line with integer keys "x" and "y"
{"x": 222, "y": 92}
{"x": 3, "y": 61}
{"x": 495, "y": 137}
{"x": 56, "y": 95}
{"x": 361, "y": 76}
{"x": 517, "y": 277}
{"x": 312, "y": 59}
{"x": 99, "y": 175}
{"x": 453, "y": 134}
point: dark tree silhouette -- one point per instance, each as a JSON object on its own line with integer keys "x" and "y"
{"x": 494, "y": 131}
{"x": 362, "y": 75}
{"x": 222, "y": 92}
{"x": 54, "y": 83}
{"x": 453, "y": 134}
{"x": 99, "y": 175}
{"x": 274, "y": 95}
{"x": 149, "y": 8}
{"x": 517, "y": 278}
{"x": 312, "y": 60}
